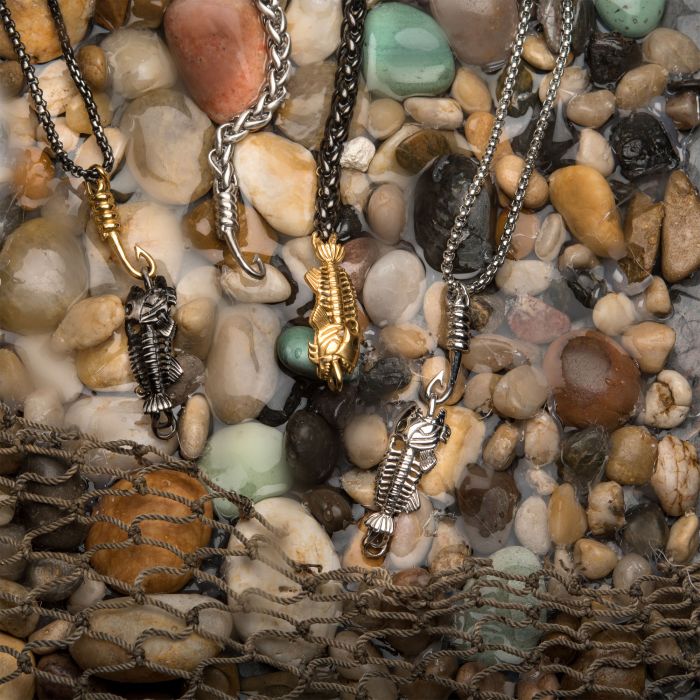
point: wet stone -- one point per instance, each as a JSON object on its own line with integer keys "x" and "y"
{"x": 330, "y": 507}
{"x": 642, "y": 235}
{"x": 549, "y": 16}
{"x": 646, "y": 531}
{"x": 523, "y": 96}
{"x": 583, "y": 456}
{"x": 610, "y": 56}
{"x": 417, "y": 150}
{"x": 631, "y": 19}
{"x": 312, "y": 448}
{"x": 387, "y": 376}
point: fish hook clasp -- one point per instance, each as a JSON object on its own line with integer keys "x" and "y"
{"x": 108, "y": 224}
{"x": 438, "y": 391}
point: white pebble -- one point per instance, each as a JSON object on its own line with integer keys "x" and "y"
{"x": 614, "y": 313}
{"x": 531, "y": 526}
{"x": 358, "y": 154}
{"x": 667, "y": 402}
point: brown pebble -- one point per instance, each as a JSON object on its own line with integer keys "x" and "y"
{"x": 524, "y": 236}
{"x": 477, "y": 130}
{"x": 642, "y": 235}
{"x": 420, "y": 148}
{"x": 606, "y": 508}
{"x": 508, "y": 170}
{"x": 533, "y": 684}
{"x": 499, "y": 451}
{"x": 32, "y": 177}
{"x": 11, "y": 78}
{"x": 632, "y": 456}
{"x": 111, "y": 14}
{"x": 93, "y": 64}
{"x": 591, "y": 109}
{"x": 657, "y": 299}
{"x": 593, "y": 559}
{"x": 680, "y": 246}
{"x": 684, "y": 109}
{"x": 489, "y": 682}
{"x": 683, "y": 540}
{"x": 567, "y": 518}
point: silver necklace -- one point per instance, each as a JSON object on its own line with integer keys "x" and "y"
{"x": 413, "y": 444}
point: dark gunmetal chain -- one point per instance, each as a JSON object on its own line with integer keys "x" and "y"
{"x": 347, "y": 79}
{"x": 40, "y": 106}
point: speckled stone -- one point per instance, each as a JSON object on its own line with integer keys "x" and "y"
{"x": 293, "y": 350}
{"x": 631, "y": 19}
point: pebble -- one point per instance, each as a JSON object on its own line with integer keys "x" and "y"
{"x": 537, "y": 53}
{"x": 524, "y": 235}
{"x": 106, "y": 366}
{"x": 594, "y": 559}
{"x": 14, "y": 620}
{"x": 583, "y": 455}
{"x": 354, "y": 188}
{"x": 278, "y": 177}
{"x": 15, "y": 381}
{"x": 194, "y": 426}
{"x": 535, "y": 321}
{"x": 77, "y": 118}
{"x": 508, "y": 169}
{"x": 525, "y": 277}
{"x": 420, "y": 148}
{"x": 384, "y": 166}
{"x": 406, "y": 53}
{"x": 292, "y": 350}
{"x": 520, "y": 393}
{"x": 11, "y": 79}
{"x": 606, "y": 508}
{"x": 303, "y": 18}
{"x": 610, "y": 56}
{"x": 493, "y": 353}
{"x": 668, "y": 400}
{"x": 56, "y": 84}
{"x": 21, "y": 687}
{"x": 88, "y": 323}
{"x": 398, "y": 269}
{"x": 671, "y": 49}
{"x": 629, "y": 569}
{"x": 196, "y": 322}
{"x": 479, "y": 32}
{"x": 680, "y": 249}
{"x": 550, "y": 237}
{"x": 239, "y": 384}
{"x": 129, "y": 621}
{"x": 50, "y": 634}
{"x": 57, "y": 580}
{"x": 550, "y": 16}
{"x": 330, "y": 507}
{"x": 574, "y": 81}
{"x": 594, "y": 151}
{"x": 592, "y": 109}
{"x": 359, "y": 484}
{"x": 614, "y": 313}
{"x": 200, "y": 51}
{"x": 478, "y": 392}
{"x": 684, "y": 110}
{"x": 44, "y": 406}
{"x": 531, "y": 526}
{"x": 431, "y": 112}
{"x": 311, "y": 448}
{"x": 92, "y": 61}
{"x": 531, "y": 686}
{"x": 88, "y": 152}
{"x": 302, "y": 540}
{"x": 386, "y": 213}
{"x": 366, "y": 440}
{"x": 649, "y": 344}
{"x": 541, "y": 440}
{"x": 11, "y": 537}
{"x": 640, "y": 85}
{"x": 386, "y": 117}
{"x": 584, "y": 199}
{"x": 578, "y": 257}
{"x": 471, "y": 92}
{"x": 499, "y": 450}
{"x": 272, "y": 289}
{"x": 676, "y": 478}
{"x": 683, "y": 539}
{"x": 406, "y": 340}
{"x": 657, "y": 300}
{"x": 646, "y": 530}
{"x": 566, "y": 517}
{"x": 152, "y": 123}
{"x": 643, "y": 236}
{"x": 632, "y": 456}
{"x": 36, "y": 302}
{"x": 634, "y": 20}
{"x": 413, "y": 537}
{"x": 111, "y": 14}
{"x": 477, "y": 130}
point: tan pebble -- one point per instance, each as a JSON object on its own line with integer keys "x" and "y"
{"x": 384, "y": 166}
{"x": 407, "y": 340}
{"x": 657, "y": 300}
{"x": 439, "y": 363}
{"x": 354, "y": 554}
{"x": 672, "y": 49}
{"x": 196, "y": 321}
{"x": 88, "y": 323}
{"x": 77, "y": 117}
{"x": 525, "y": 277}
{"x": 526, "y": 230}
{"x": 542, "y": 439}
{"x": 521, "y": 392}
{"x": 683, "y": 539}
{"x": 359, "y": 485}
{"x": 33, "y": 177}
{"x": 435, "y": 112}
{"x": 640, "y": 85}
{"x": 550, "y": 237}
{"x": 386, "y": 117}
{"x": 478, "y": 392}
{"x": 567, "y": 518}
{"x": 680, "y": 252}
{"x": 574, "y": 81}
{"x": 667, "y": 401}
{"x": 499, "y": 450}
{"x": 434, "y": 312}
{"x": 629, "y": 569}
{"x": 194, "y": 426}
{"x": 676, "y": 479}
{"x": 493, "y": 353}
{"x": 591, "y": 109}
{"x": 606, "y": 508}
{"x": 450, "y": 548}
{"x": 105, "y": 366}
{"x": 593, "y": 559}
{"x": 614, "y": 313}
{"x": 15, "y": 380}
{"x": 93, "y": 65}
{"x": 492, "y": 682}
{"x": 508, "y": 170}
{"x": 650, "y": 344}
{"x": 577, "y": 257}
{"x": 11, "y": 78}
{"x": 44, "y": 406}
{"x": 537, "y": 53}
{"x": 89, "y": 152}
{"x": 471, "y": 92}
{"x": 534, "y": 685}
{"x": 386, "y": 213}
{"x": 595, "y": 151}
{"x": 477, "y": 131}
{"x": 68, "y": 137}
{"x": 632, "y": 456}
{"x": 54, "y": 631}
{"x": 684, "y": 109}
{"x": 366, "y": 440}
{"x": 354, "y": 188}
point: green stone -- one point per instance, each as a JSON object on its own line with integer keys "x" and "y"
{"x": 293, "y": 350}
{"x": 249, "y": 459}
{"x": 516, "y": 561}
{"x": 632, "y": 18}
{"x": 406, "y": 53}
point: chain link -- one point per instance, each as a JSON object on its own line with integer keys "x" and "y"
{"x": 37, "y": 96}
{"x": 459, "y": 290}
{"x": 347, "y": 79}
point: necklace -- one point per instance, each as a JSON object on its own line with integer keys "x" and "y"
{"x": 149, "y": 326}
{"x": 413, "y": 444}
{"x": 257, "y": 116}
{"x": 336, "y": 347}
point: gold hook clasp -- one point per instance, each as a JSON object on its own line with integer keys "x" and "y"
{"x": 106, "y": 217}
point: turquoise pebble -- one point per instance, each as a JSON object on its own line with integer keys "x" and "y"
{"x": 518, "y": 561}
{"x": 632, "y": 18}
{"x": 293, "y": 350}
{"x": 249, "y": 459}
{"x": 406, "y": 53}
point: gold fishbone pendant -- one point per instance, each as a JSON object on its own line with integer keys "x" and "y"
{"x": 336, "y": 347}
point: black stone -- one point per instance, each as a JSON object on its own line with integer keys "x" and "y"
{"x": 337, "y": 408}
{"x": 642, "y": 146}
{"x": 193, "y": 372}
{"x": 560, "y": 296}
{"x": 439, "y": 193}
{"x": 330, "y": 507}
{"x": 388, "y": 375}
{"x": 312, "y": 448}
{"x": 610, "y": 56}
{"x": 36, "y": 515}
{"x": 586, "y": 286}
{"x": 523, "y": 98}
{"x": 558, "y": 145}
{"x": 348, "y": 225}
{"x": 646, "y": 531}
{"x": 583, "y": 456}
{"x": 549, "y": 16}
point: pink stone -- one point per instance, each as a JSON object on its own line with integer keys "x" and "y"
{"x": 220, "y": 49}
{"x": 535, "y": 321}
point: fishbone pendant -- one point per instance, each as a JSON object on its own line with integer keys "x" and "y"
{"x": 336, "y": 347}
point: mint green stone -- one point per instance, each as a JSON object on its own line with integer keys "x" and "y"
{"x": 249, "y": 459}
{"x": 517, "y": 561}
{"x": 632, "y": 18}
{"x": 406, "y": 53}
{"x": 293, "y": 350}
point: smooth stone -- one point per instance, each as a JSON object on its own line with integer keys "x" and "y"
{"x": 239, "y": 384}
{"x": 11, "y": 78}
{"x": 239, "y": 286}
{"x": 35, "y": 25}
{"x": 676, "y": 478}
{"x": 592, "y": 109}
{"x": 50, "y": 635}
{"x": 631, "y": 19}
{"x": 606, "y": 508}
{"x": 88, "y": 152}
{"x": 494, "y": 616}
{"x": 574, "y": 81}
{"x": 302, "y": 540}
{"x": 646, "y": 531}
{"x": 640, "y": 85}
{"x": 247, "y": 459}
{"x": 15, "y": 381}
{"x": 406, "y": 53}
{"x": 537, "y": 53}
{"x": 138, "y": 61}
{"x": 477, "y": 130}
{"x": 92, "y": 61}
{"x": 673, "y": 50}
{"x": 44, "y": 406}
{"x": 614, "y": 313}
{"x": 354, "y": 188}
{"x": 312, "y": 448}
{"x": 366, "y": 440}
{"x": 649, "y": 344}
{"x": 493, "y": 353}
{"x": 479, "y": 32}
{"x": 398, "y": 269}
{"x": 64, "y": 674}
{"x": 550, "y": 237}
{"x": 541, "y": 439}
{"x": 610, "y": 56}
{"x": 42, "y": 273}
{"x": 594, "y": 381}
{"x": 438, "y": 196}
{"x": 220, "y": 49}
{"x": 11, "y": 537}
{"x": 406, "y": 340}
{"x": 632, "y": 456}
{"x": 471, "y": 92}
{"x": 330, "y": 508}
{"x": 77, "y": 117}
{"x": 434, "y": 112}
{"x": 583, "y": 454}
{"x": 58, "y": 579}
{"x": 412, "y": 539}
{"x": 386, "y": 117}
{"x": 684, "y": 110}
{"x": 89, "y": 593}
{"x": 520, "y": 393}
{"x": 549, "y": 14}
{"x": 111, "y": 14}
{"x": 56, "y": 84}
{"x": 279, "y": 178}
{"x": 535, "y": 321}
{"x": 586, "y": 201}
{"x": 106, "y": 367}
{"x": 194, "y": 426}
{"x": 683, "y": 539}
{"x": 531, "y": 527}
{"x": 14, "y": 620}
{"x": 196, "y": 323}
{"x": 680, "y": 248}
{"x": 525, "y": 277}
{"x": 22, "y": 687}
{"x": 153, "y": 122}
{"x": 304, "y": 17}
{"x": 384, "y": 166}
{"x": 629, "y": 569}
{"x": 566, "y": 517}
{"x": 642, "y": 236}
{"x": 88, "y": 323}
{"x": 420, "y": 148}
{"x": 524, "y": 235}
{"x": 642, "y": 146}
{"x": 508, "y": 170}
{"x": 593, "y": 559}
{"x": 292, "y": 350}
{"x": 128, "y": 621}
{"x": 386, "y": 213}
